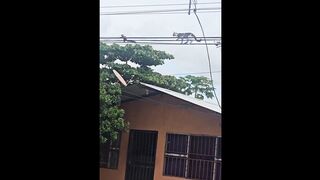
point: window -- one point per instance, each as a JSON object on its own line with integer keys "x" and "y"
{"x": 193, "y": 157}
{"x": 109, "y": 153}
{"x": 176, "y": 155}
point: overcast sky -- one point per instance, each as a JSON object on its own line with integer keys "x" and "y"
{"x": 188, "y": 59}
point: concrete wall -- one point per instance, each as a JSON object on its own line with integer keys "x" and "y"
{"x": 160, "y": 115}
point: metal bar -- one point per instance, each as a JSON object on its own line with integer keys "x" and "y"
{"x": 202, "y": 139}
{"x": 133, "y": 168}
{"x": 193, "y": 170}
{"x": 151, "y": 144}
{"x": 138, "y": 172}
{"x": 196, "y": 144}
{"x": 207, "y": 170}
{"x": 210, "y": 146}
{"x": 145, "y": 173}
{"x": 140, "y": 152}
{"x": 147, "y": 154}
{"x": 172, "y": 159}
{"x": 181, "y": 141}
{"x": 197, "y": 167}
{"x": 165, "y": 165}
{"x": 205, "y": 152}
{"x": 109, "y": 154}
{"x": 174, "y": 141}
{"x": 188, "y": 146}
{"x": 176, "y": 155}
{"x": 203, "y": 172}
{"x": 140, "y": 149}
{"x": 144, "y": 148}
{"x": 214, "y": 164}
{"x": 154, "y": 151}
{"x": 177, "y": 167}
{"x": 169, "y": 166}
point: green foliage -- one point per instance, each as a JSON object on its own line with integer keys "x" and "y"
{"x": 111, "y": 115}
{"x": 199, "y": 86}
{"x": 142, "y": 55}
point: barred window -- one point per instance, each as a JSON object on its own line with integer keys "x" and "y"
{"x": 109, "y": 153}
{"x": 193, "y": 157}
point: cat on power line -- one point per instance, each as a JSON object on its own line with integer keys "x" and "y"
{"x": 186, "y": 36}
{"x": 125, "y": 39}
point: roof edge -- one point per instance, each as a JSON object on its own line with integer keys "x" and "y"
{"x": 184, "y": 97}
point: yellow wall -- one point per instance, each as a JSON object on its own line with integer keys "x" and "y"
{"x": 164, "y": 118}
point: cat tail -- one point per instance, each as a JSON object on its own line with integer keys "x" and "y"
{"x": 198, "y": 40}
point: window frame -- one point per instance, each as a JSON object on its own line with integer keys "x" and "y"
{"x": 187, "y": 158}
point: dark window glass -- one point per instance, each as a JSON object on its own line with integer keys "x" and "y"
{"x": 177, "y": 143}
{"x": 202, "y": 147}
{"x": 175, "y": 166}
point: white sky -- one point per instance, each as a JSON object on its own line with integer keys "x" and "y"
{"x": 188, "y": 59}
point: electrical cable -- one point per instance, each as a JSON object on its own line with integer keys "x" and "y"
{"x": 155, "y": 37}
{"x": 153, "y": 11}
{"x": 148, "y": 5}
{"x": 207, "y": 50}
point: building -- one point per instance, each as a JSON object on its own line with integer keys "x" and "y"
{"x": 172, "y": 137}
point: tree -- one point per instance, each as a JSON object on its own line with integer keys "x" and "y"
{"x": 199, "y": 86}
{"x": 144, "y": 56}
{"x": 111, "y": 115}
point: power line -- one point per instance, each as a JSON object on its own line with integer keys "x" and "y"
{"x": 215, "y": 42}
{"x": 156, "y": 37}
{"x": 155, "y": 43}
{"x": 164, "y": 13}
{"x": 214, "y": 91}
{"x": 160, "y": 13}
{"x": 148, "y": 5}
{"x": 157, "y": 40}
{"x": 154, "y": 11}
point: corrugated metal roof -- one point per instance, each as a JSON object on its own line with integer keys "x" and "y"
{"x": 192, "y": 100}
